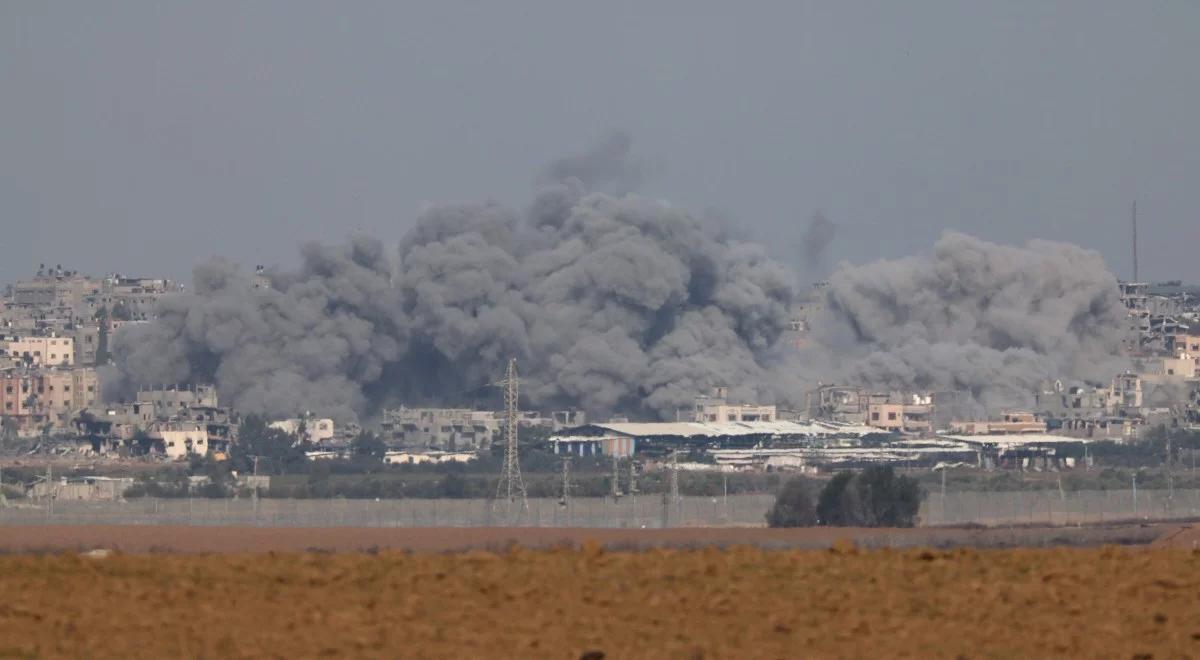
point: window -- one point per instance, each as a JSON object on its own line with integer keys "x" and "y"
{"x": 891, "y": 416}
{"x": 874, "y": 417}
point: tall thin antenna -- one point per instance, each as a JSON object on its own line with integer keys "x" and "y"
{"x": 1135, "y": 250}
{"x": 511, "y": 485}
{"x": 675, "y": 485}
{"x": 565, "y": 500}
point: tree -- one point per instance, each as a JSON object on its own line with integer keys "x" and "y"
{"x": 368, "y": 444}
{"x": 794, "y": 505}
{"x": 829, "y": 504}
{"x": 875, "y": 497}
{"x": 278, "y": 451}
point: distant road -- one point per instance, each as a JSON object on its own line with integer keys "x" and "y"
{"x": 214, "y": 539}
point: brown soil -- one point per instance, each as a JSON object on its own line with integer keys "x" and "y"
{"x": 741, "y": 603}
{"x": 158, "y": 538}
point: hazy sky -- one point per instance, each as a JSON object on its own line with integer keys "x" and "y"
{"x": 144, "y": 136}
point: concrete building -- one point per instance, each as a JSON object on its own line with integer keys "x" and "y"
{"x": 912, "y": 416}
{"x": 53, "y": 288}
{"x": 16, "y": 386}
{"x": 410, "y": 457}
{"x": 717, "y": 409}
{"x": 178, "y": 440}
{"x": 626, "y": 438}
{"x": 169, "y": 399}
{"x": 86, "y": 343}
{"x": 40, "y": 398}
{"x": 1181, "y": 366}
{"x": 450, "y": 429}
{"x": 604, "y": 445}
{"x": 38, "y": 351}
{"x": 1118, "y": 429}
{"x": 314, "y": 429}
{"x": 84, "y": 489}
{"x": 1009, "y": 423}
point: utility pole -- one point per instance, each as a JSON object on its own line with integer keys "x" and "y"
{"x": 943, "y": 494}
{"x": 1170, "y": 476}
{"x": 1135, "y": 493}
{"x": 511, "y": 486}
{"x": 616, "y": 477}
{"x": 675, "y": 484}
{"x": 565, "y": 500}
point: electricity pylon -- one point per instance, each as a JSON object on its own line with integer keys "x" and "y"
{"x": 511, "y": 485}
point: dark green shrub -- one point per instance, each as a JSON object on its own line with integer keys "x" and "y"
{"x": 794, "y": 506}
{"x": 875, "y": 497}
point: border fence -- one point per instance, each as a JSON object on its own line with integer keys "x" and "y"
{"x": 1043, "y": 507}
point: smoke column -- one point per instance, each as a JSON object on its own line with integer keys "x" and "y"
{"x": 991, "y": 320}
{"x": 610, "y": 302}
{"x": 616, "y": 303}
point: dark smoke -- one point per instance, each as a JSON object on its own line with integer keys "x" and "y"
{"x": 608, "y": 302}
{"x": 618, "y": 303}
{"x": 986, "y": 319}
{"x": 816, "y": 238}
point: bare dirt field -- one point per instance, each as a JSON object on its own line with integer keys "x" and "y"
{"x": 206, "y": 539}
{"x": 711, "y": 603}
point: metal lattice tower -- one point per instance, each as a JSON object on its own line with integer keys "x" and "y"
{"x": 511, "y": 485}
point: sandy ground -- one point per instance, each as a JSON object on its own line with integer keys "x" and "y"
{"x": 203, "y": 539}
{"x": 711, "y": 603}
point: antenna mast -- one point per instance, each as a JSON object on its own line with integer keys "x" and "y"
{"x": 511, "y": 485}
{"x": 565, "y": 500}
{"x": 1135, "y": 250}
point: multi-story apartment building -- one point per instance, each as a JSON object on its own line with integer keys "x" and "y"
{"x": 51, "y": 350}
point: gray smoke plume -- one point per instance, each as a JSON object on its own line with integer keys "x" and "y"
{"x": 618, "y": 303}
{"x": 816, "y": 238}
{"x": 608, "y": 166}
{"x": 608, "y": 302}
{"x": 978, "y": 317}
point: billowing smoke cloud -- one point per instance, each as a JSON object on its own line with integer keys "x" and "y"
{"x": 608, "y": 166}
{"x": 610, "y": 303}
{"x": 987, "y": 319}
{"x": 312, "y": 342}
{"x": 617, "y": 303}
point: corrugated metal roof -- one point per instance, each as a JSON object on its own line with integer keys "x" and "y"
{"x": 728, "y": 429}
{"x": 1016, "y": 439}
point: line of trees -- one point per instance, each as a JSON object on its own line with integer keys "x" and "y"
{"x": 874, "y": 497}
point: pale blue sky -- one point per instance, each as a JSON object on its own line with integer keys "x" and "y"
{"x": 143, "y": 136}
